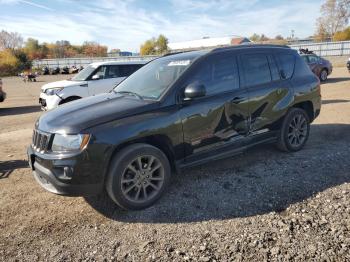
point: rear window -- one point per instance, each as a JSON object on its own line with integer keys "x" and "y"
{"x": 287, "y": 64}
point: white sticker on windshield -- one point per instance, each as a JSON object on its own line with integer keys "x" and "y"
{"x": 179, "y": 63}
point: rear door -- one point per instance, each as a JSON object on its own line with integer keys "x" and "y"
{"x": 268, "y": 87}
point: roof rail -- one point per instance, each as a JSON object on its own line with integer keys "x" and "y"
{"x": 248, "y": 45}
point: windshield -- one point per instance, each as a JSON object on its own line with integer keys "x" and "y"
{"x": 84, "y": 74}
{"x": 154, "y": 78}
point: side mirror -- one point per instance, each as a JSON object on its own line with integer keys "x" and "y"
{"x": 194, "y": 90}
{"x": 96, "y": 77}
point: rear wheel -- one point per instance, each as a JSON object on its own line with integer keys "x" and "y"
{"x": 294, "y": 131}
{"x": 138, "y": 176}
{"x": 323, "y": 75}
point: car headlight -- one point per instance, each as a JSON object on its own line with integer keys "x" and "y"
{"x": 53, "y": 91}
{"x": 64, "y": 143}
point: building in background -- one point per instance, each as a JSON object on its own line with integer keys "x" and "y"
{"x": 117, "y": 53}
{"x": 207, "y": 42}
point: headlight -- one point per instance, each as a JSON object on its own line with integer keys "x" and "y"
{"x": 64, "y": 143}
{"x": 53, "y": 91}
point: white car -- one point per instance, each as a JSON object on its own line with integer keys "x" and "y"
{"x": 96, "y": 78}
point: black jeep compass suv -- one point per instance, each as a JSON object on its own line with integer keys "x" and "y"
{"x": 177, "y": 111}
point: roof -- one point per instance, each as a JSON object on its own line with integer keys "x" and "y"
{"x": 207, "y": 42}
{"x": 219, "y": 49}
{"x": 142, "y": 62}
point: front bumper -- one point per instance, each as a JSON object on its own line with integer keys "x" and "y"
{"x": 63, "y": 176}
{"x": 49, "y": 102}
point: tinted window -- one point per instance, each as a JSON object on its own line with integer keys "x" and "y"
{"x": 126, "y": 70}
{"x": 256, "y": 69}
{"x": 113, "y": 71}
{"x": 287, "y": 63}
{"x": 273, "y": 68}
{"x": 218, "y": 75}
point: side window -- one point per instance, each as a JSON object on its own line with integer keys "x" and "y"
{"x": 101, "y": 71}
{"x": 113, "y": 71}
{"x": 313, "y": 59}
{"x": 287, "y": 63}
{"x": 126, "y": 70}
{"x": 256, "y": 69}
{"x": 273, "y": 68}
{"x": 218, "y": 75}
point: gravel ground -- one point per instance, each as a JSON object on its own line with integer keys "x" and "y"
{"x": 262, "y": 205}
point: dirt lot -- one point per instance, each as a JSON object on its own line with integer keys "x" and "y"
{"x": 261, "y": 205}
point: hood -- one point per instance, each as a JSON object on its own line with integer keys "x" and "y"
{"x": 63, "y": 83}
{"x": 78, "y": 115}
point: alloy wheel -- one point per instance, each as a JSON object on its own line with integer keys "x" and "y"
{"x": 324, "y": 75}
{"x": 297, "y": 131}
{"x": 142, "y": 179}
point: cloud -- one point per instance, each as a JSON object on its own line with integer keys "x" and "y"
{"x": 126, "y": 24}
{"x": 31, "y": 3}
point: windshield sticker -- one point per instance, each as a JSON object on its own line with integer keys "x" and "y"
{"x": 179, "y": 63}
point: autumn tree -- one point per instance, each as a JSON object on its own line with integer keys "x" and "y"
{"x": 342, "y": 35}
{"x": 335, "y": 16}
{"x": 155, "y": 46}
{"x": 10, "y": 40}
{"x": 255, "y": 38}
{"x": 93, "y": 49}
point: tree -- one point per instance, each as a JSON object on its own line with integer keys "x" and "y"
{"x": 162, "y": 44}
{"x": 93, "y": 49}
{"x": 10, "y": 40}
{"x": 155, "y": 46}
{"x": 255, "y": 38}
{"x": 279, "y": 37}
{"x": 335, "y": 16}
{"x": 342, "y": 35}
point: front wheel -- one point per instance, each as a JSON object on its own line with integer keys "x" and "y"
{"x": 294, "y": 131}
{"x": 138, "y": 176}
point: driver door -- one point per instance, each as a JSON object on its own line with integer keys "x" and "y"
{"x": 107, "y": 79}
{"x": 219, "y": 119}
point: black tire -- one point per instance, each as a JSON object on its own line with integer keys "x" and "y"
{"x": 130, "y": 175}
{"x": 287, "y": 133}
{"x": 323, "y": 75}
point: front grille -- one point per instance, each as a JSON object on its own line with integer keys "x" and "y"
{"x": 40, "y": 141}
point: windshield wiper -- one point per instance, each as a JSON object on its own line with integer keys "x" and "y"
{"x": 129, "y": 93}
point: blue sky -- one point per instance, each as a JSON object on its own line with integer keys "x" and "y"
{"x": 128, "y": 23}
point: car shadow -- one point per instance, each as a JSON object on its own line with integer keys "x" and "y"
{"x": 19, "y": 110}
{"x": 336, "y": 80}
{"x": 334, "y": 101}
{"x": 259, "y": 181}
{"x": 7, "y": 167}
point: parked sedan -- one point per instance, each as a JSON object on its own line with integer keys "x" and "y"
{"x": 2, "y": 93}
{"x": 320, "y": 66}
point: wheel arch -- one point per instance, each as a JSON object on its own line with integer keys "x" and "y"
{"x": 162, "y": 142}
{"x": 308, "y": 107}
